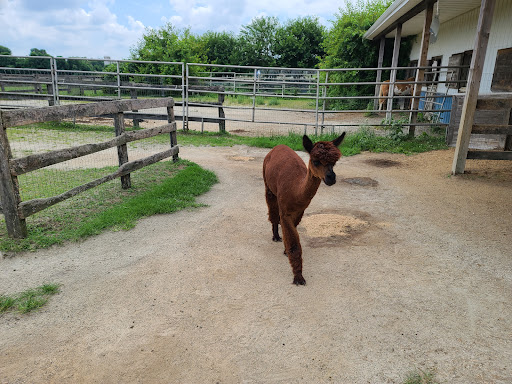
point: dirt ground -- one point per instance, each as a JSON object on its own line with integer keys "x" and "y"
{"x": 407, "y": 268}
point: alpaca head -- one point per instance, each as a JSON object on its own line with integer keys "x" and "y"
{"x": 322, "y": 157}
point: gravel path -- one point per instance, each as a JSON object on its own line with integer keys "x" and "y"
{"x": 407, "y": 268}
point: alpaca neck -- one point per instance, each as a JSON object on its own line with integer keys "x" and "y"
{"x": 309, "y": 186}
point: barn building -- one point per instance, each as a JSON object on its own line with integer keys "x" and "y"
{"x": 475, "y": 38}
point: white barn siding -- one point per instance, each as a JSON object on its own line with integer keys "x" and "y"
{"x": 458, "y": 35}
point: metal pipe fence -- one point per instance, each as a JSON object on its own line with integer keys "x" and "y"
{"x": 238, "y": 96}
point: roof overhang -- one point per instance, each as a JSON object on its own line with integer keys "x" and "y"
{"x": 411, "y": 14}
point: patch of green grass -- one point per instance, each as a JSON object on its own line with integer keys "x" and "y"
{"x": 354, "y": 143}
{"x": 421, "y": 377}
{"x": 163, "y": 187}
{"x": 28, "y": 300}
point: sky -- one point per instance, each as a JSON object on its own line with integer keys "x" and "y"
{"x": 99, "y": 28}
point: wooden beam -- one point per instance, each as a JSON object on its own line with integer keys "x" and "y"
{"x": 36, "y": 115}
{"x": 378, "y": 78}
{"x": 394, "y": 64}
{"x": 404, "y": 18}
{"x": 490, "y": 155}
{"x": 422, "y": 62}
{"x": 32, "y": 162}
{"x": 492, "y": 129}
{"x": 494, "y": 102}
{"x": 473, "y": 87}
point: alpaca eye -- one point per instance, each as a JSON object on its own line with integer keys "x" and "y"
{"x": 316, "y": 163}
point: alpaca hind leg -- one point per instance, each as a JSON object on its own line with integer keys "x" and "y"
{"x": 273, "y": 214}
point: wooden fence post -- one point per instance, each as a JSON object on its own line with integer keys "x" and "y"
{"x": 222, "y": 115}
{"x": 122, "y": 150}
{"x": 174, "y": 139}
{"x": 133, "y": 95}
{"x": 49, "y": 91}
{"x": 9, "y": 190}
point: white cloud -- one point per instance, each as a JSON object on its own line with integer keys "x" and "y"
{"x": 68, "y": 30}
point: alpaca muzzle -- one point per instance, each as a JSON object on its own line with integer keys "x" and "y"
{"x": 330, "y": 178}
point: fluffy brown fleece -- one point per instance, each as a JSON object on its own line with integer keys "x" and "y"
{"x": 325, "y": 152}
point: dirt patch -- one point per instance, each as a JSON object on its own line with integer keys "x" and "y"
{"x": 241, "y": 158}
{"x": 383, "y": 163}
{"x": 238, "y": 131}
{"x": 361, "y": 181}
{"x": 329, "y": 225}
{"x": 413, "y": 275}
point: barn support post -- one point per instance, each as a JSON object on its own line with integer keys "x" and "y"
{"x": 378, "y": 78}
{"x": 394, "y": 65}
{"x": 9, "y": 190}
{"x": 473, "y": 85}
{"x": 420, "y": 73}
{"x": 122, "y": 150}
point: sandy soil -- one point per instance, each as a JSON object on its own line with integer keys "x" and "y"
{"x": 406, "y": 267}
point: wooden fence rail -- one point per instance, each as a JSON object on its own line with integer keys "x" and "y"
{"x": 493, "y": 116}
{"x": 15, "y": 211}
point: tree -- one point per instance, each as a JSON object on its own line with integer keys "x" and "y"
{"x": 36, "y": 63}
{"x": 6, "y": 61}
{"x": 166, "y": 44}
{"x": 257, "y": 42}
{"x": 219, "y": 47}
{"x": 299, "y": 43}
{"x": 346, "y": 48}
{"x": 5, "y": 50}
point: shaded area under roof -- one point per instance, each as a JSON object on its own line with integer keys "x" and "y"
{"x": 411, "y": 13}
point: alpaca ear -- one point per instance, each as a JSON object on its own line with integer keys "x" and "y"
{"x": 307, "y": 143}
{"x": 338, "y": 141}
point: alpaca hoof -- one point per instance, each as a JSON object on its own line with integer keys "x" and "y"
{"x": 299, "y": 280}
{"x": 277, "y": 239}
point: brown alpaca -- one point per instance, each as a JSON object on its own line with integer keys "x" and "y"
{"x": 290, "y": 187}
{"x": 402, "y": 88}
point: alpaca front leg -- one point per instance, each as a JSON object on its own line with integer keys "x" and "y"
{"x": 295, "y": 258}
{"x": 273, "y": 213}
{"x": 294, "y": 251}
